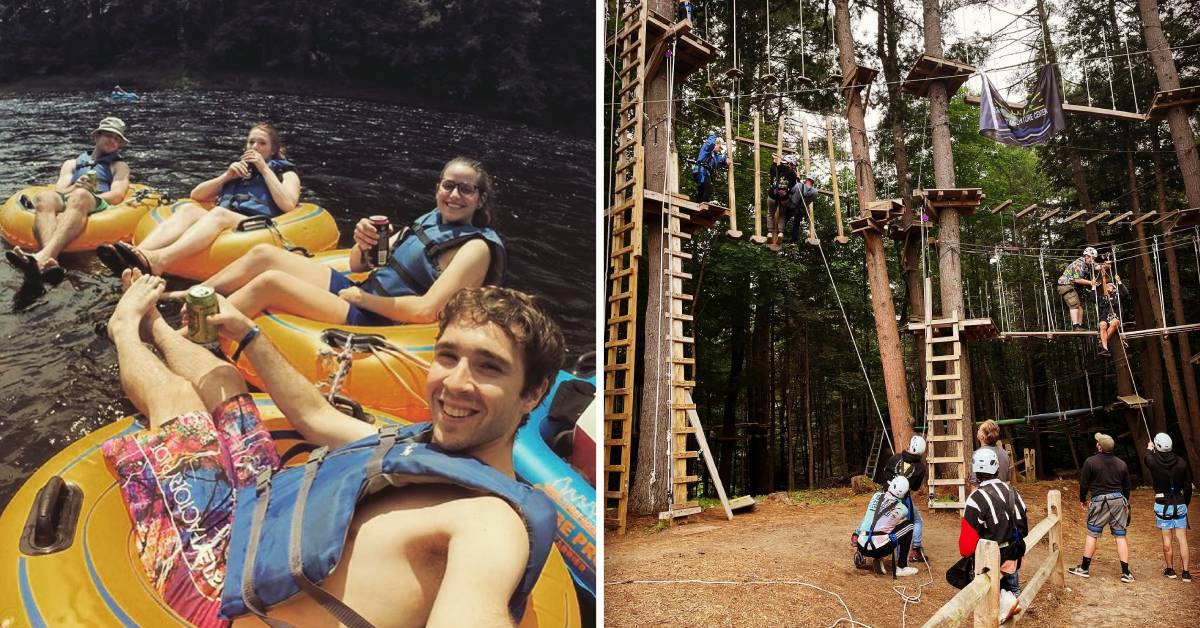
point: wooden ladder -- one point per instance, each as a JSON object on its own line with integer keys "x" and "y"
{"x": 625, "y": 250}
{"x": 943, "y": 410}
{"x": 876, "y": 450}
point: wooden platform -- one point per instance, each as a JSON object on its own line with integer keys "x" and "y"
{"x": 695, "y": 215}
{"x": 972, "y": 328}
{"x": 861, "y": 76}
{"x": 965, "y": 200}
{"x": 1129, "y": 402}
{"x": 692, "y": 52}
{"x": 1045, "y": 335}
{"x": 929, "y": 68}
{"x": 1163, "y": 101}
{"x": 1184, "y": 219}
{"x": 864, "y": 224}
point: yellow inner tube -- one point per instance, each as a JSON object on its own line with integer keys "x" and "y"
{"x": 308, "y": 226}
{"x": 111, "y": 225}
{"x": 98, "y": 580}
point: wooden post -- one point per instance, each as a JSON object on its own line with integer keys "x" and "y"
{"x": 833, "y": 183}
{"x": 1054, "y": 509}
{"x": 804, "y": 141}
{"x": 987, "y": 564}
{"x": 673, "y": 171}
{"x": 779, "y": 216}
{"x": 733, "y": 230}
{"x": 757, "y": 238}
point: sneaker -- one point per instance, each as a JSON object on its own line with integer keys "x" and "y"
{"x": 1169, "y": 572}
{"x": 915, "y": 555}
{"x": 1127, "y": 577}
{"x": 1103, "y": 351}
{"x": 1185, "y": 576}
{"x": 1008, "y": 605}
{"x": 1080, "y": 571}
{"x": 1077, "y": 327}
{"x": 907, "y": 571}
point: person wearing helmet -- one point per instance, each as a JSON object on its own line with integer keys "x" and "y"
{"x": 996, "y": 512}
{"x": 1109, "y": 301}
{"x": 1106, "y": 478}
{"x": 885, "y": 529}
{"x": 1172, "y": 481}
{"x": 783, "y": 178}
{"x": 1081, "y": 272}
{"x": 803, "y": 193}
{"x": 988, "y": 435}
{"x": 711, "y": 157}
{"x": 910, "y": 465}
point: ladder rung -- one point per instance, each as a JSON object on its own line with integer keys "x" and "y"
{"x": 617, "y": 392}
{"x": 687, "y": 479}
{"x": 680, "y": 234}
{"x": 608, "y": 368}
{"x": 612, "y": 344}
{"x": 680, "y": 254}
{"x": 945, "y": 397}
{"x": 682, "y": 360}
{"x": 954, "y": 505}
{"x": 624, "y": 318}
{"x": 683, "y": 406}
{"x": 953, "y": 338}
{"x": 613, "y": 468}
{"x": 943, "y": 358}
{"x": 620, "y": 296}
{"x": 945, "y": 377}
{"x": 678, "y": 273}
{"x": 686, "y": 383}
{"x": 681, "y": 431}
{"x": 947, "y": 482}
{"x": 943, "y": 459}
{"x": 945, "y": 417}
{"x": 940, "y": 438}
{"x": 617, "y": 274}
{"x": 615, "y": 442}
{"x": 679, "y": 317}
{"x": 614, "y": 495}
{"x": 682, "y": 296}
{"x": 684, "y": 455}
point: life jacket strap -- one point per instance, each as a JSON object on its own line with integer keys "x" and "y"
{"x": 331, "y": 604}
{"x": 249, "y": 595}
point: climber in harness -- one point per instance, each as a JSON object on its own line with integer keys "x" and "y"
{"x": 910, "y": 465}
{"x": 1172, "y": 481}
{"x": 996, "y": 512}
{"x": 1108, "y": 300}
{"x": 885, "y": 530}
{"x": 711, "y": 157}
{"x": 1077, "y": 274}
{"x": 779, "y": 206}
{"x": 414, "y": 525}
{"x": 800, "y": 201}
{"x": 1106, "y": 478}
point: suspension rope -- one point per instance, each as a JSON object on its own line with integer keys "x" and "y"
{"x": 854, "y": 342}
{"x": 1128, "y": 367}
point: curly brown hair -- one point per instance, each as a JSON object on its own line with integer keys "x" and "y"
{"x": 525, "y": 322}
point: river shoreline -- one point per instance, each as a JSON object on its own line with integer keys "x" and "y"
{"x": 153, "y": 79}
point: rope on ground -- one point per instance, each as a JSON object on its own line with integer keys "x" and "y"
{"x": 858, "y": 353}
{"x": 902, "y": 591}
{"x": 848, "y": 618}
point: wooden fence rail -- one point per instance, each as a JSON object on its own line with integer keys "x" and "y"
{"x": 982, "y": 595}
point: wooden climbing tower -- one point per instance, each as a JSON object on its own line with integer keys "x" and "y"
{"x": 943, "y": 410}
{"x": 643, "y": 39}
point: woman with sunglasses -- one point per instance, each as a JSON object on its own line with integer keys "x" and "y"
{"x": 441, "y": 252}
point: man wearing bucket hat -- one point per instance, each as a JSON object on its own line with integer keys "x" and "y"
{"x": 1106, "y": 477}
{"x": 87, "y": 184}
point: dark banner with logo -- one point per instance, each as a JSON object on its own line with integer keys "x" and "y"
{"x": 1036, "y": 123}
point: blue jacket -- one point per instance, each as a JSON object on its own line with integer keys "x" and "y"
{"x": 412, "y": 266}
{"x": 102, "y": 167}
{"x": 251, "y": 196}
{"x": 707, "y": 160}
{"x": 300, "y": 515}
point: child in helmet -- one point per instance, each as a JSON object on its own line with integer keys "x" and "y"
{"x": 996, "y": 512}
{"x": 885, "y": 529}
{"x": 910, "y": 465}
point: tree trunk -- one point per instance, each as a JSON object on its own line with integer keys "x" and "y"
{"x": 758, "y": 458}
{"x": 808, "y": 412}
{"x": 891, "y": 352}
{"x": 949, "y": 263}
{"x": 790, "y": 411}
{"x": 737, "y": 353}
{"x": 1177, "y": 117}
{"x": 1151, "y": 366}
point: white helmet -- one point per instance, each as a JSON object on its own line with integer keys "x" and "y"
{"x": 1162, "y": 442}
{"x": 790, "y": 159}
{"x": 1091, "y": 250}
{"x": 985, "y": 461}
{"x": 916, "y": 445}
{"x": 898, "y": 487}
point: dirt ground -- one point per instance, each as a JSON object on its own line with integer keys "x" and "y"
{"x": 806, "y": 544}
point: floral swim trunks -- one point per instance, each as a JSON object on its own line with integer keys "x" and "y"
{"x": 179, "y": 483}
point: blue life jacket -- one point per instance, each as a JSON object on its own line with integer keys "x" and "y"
{"x": 102, "y": 167}
{"x": 251, "y": 196}
{"x": 412, "y": 266}
{"x": 290, "y": 529}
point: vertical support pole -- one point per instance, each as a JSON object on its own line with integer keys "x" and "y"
{"x": 987, "y": 564}
{"x": 673, "y": 170}
{"x": 833, "y": 183}
{"x": 804, "y": 144}
{"x": 781, "y": 219}
{"x": 733, "y": 229}
{"x": 1054, "y": 509}
{"x": 757, "y": 238}
{"x": 808, "y": 208}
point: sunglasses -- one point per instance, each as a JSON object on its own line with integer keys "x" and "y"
{"x": 465, "y": 189}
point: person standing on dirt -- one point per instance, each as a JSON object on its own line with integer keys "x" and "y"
{"x": 996, "y": 512}
{"x": 1172, "y": 481}
{"x": 1106, "y": 477}
{"x": 910, "y": 465}
{"x": 885, "y": 529}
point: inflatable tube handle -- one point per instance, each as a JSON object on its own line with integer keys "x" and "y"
{"x": 299, "y": 250}
{"x": 255, "y": 223}
{"x": 25, "y": 202}
{"x": 52, "y": 519}
{"x": 353, "y": 408}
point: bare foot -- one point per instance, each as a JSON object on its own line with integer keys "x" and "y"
{"x": 141, "y": 293}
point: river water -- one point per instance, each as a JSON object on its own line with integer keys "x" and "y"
{"x": 58, "y": 379}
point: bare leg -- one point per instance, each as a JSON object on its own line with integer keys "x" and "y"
{"x": 1089, "y": 546}
{"x": 215, "y": 380}
{"x": 1077, "y": 316}
{"x": 1104, "y": 335}
{"x": 1166, "y": 542}
{"x": 195, "y": 239}
{"x": 67, "y": 226}
{"x": 157, "y": 392}
{"x": 264, "y": 257}
{"x": 281, "y": 292}
{"x": 46, "y": 205}
{"x": 170, "y": 230}
{"x": 1122, "y": 549}
{"x": 1181, "y": 536}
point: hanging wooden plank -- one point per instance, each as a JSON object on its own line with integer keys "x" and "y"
{"x": 1050, "y": 214}
{"x": 1143, "y": 218}
{"x": 757, "y": 238}
{"x": 833, "y": 184}
{"x": 1120, "y": 217}
{"x": 1075, "y": 214}
{"x": 1026, "y": 211}
{"x": 1002, "y": 206}
{"x": 1097, "y": 218}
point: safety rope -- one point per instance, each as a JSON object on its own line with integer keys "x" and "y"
{"x": 1129, "y": 368}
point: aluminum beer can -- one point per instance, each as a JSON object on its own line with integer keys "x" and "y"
{"x": 201, "y": 301}
{"x": 94, "y": 178}
{"x": 379, "y": 256}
